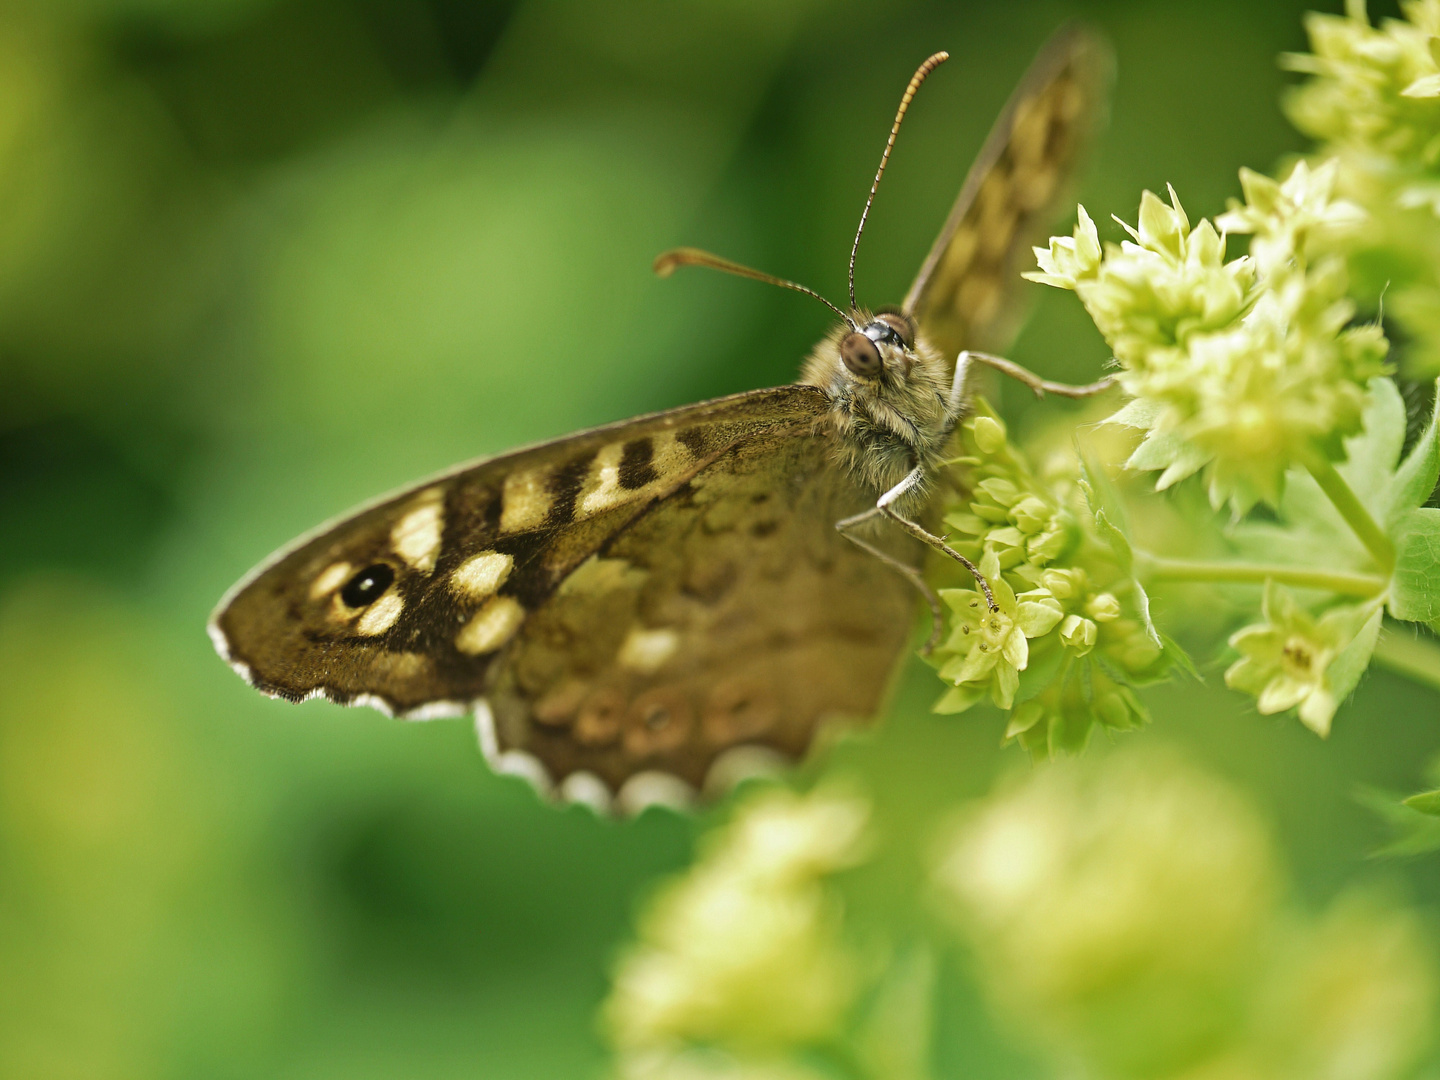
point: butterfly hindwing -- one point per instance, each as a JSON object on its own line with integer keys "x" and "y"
{"x": 729, "y": 613}
{"x": 409, "y": 603}
{"x": 965, "y": 295}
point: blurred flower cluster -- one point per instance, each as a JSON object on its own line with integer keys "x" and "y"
{"x": 1125, "y": 915}
{"x": 1240, "y": 368}
{"x": 1068, "y": 636}
{"x": 742, "y": 959}
{"x": 1128, "y": 914}
{"x": 1372, "y": 102}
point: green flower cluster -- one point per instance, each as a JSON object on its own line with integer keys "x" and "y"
{"x": 1241, "y": 367}
{"x": 1069, "y": 637}
{"x": 1126, "y": 914}
{"x": 1375, "y": 92}
{"x": 741, "y": 961}
{"x": 1373, "y": 103}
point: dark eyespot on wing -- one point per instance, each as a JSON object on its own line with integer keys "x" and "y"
{"x": 368, "y": 585}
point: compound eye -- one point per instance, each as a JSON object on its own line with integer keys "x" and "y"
{"x": 900, "y": 324}
{"x": 860, "y": 355}
{"x": 367, "y": 586}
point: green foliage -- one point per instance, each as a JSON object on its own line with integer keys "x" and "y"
{"x": 260, "y": 259}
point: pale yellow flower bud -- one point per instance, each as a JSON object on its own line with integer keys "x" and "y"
{"x": 1103, "y": 607}
{"x": 989, "y": 434}
{"x": 1078, "y": 633}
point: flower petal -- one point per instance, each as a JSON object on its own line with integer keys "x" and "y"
{"x": 1282, "y": 693}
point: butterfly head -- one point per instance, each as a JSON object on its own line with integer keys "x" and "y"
{"x": 884, "y": 344}
{"x": 879, "y": 361}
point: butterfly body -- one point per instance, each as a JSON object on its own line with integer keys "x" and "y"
{"x": 885, "y": 426}
{"x": 634, "y": 612}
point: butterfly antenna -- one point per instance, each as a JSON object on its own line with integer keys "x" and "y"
{"x": 915, "y": 81}
{"x": 667, "y": 261}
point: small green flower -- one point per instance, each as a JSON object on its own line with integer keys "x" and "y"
{"x": 1069, "y": 259}
{"x": 1373, "y": 103}
{"x": 990, "y": 647}
{"x": 1078, "y": 633}
{"x": 1288, "y": 217}
{"x": 1151, "y": 293}
{"x": 1285, "y": 660}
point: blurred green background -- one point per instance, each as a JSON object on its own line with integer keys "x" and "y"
{"x": 261, "y": 259}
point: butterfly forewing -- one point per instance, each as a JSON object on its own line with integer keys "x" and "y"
{"x": 642, "y": 596}
{"x": 966, "y": 293}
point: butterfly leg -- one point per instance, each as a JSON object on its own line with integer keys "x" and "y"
{"x": 884, "y": 507}
{"x": 1039, "y": 386}
{"x": 937, "y": 618}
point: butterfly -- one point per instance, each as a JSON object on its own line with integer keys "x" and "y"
{"x": 654, "y": 608}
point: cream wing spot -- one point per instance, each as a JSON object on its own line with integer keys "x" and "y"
{"x": 602, "y": 488}
{"x": 587, "y": 789}
{"x": 526, "y": 500}
{"x": 600, "y": 575}
{"x": 646, "y": 651}
{"x": 490, "y": 627}
{"x": 330, "y": 579}
{"x": 606, "y": 488}
{"x": 481, "y": 575}
{"x": 649, "y": 788}
{"x": 381, "y": 615}
{"x": 416, "y": 536}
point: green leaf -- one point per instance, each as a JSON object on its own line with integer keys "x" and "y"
{"x": 1179, "y": 657}
{"x": 1415, "y": 589}
{"x": 1427, "y": 802}
{"x": 1415, "y": 833}
{"x": 1417, "y": 475}
{"x": 1371, "y": 457}
{"x": 1346, "y": 669}
{"x": 1141, "y": 413}
{"x": 1105, "y": 506}
{"x": 956, "y": 700}
{"x": 1112, "y": 528}
{"x": 1311, "y": 531}
{"x": 1043, "y": 669}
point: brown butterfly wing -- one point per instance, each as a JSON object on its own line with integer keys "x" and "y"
{"x": 966, "y": 293}
{"x": 729, "y": 613}
{"x": 472, "y": 553}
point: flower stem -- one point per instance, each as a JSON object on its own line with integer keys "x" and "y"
{"x": 1159, "y": 568}
{"x": 1405, "y": 653}
{"x": 1353, "y": 511}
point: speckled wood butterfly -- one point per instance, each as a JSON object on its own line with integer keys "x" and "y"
{"x": 654, "y": 607}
